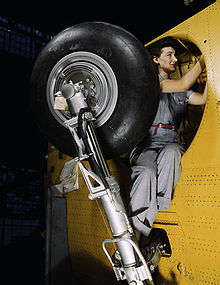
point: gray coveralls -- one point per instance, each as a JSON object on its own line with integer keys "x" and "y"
{"x": 156, "y": 163}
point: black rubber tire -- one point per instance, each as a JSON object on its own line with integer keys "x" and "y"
{"x": 138, "y": 86}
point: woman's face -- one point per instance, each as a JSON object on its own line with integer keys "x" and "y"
{"x": 167, "y": 60}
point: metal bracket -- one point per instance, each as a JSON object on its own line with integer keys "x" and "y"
{"x": 95, "y": 191}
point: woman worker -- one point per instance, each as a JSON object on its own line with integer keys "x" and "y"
{"x": 156, "y": 161}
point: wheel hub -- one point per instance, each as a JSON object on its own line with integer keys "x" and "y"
{"x": 98, "y": 79}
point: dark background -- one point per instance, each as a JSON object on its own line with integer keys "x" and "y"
{"x": 23, "y": 148}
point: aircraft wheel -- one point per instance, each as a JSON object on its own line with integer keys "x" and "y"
{"x": 121, "y": 85}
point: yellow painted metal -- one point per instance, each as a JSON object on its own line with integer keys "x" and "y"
{"x": 193, "y": 221}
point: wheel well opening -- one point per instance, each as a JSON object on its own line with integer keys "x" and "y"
{"x": 188, "y": 54}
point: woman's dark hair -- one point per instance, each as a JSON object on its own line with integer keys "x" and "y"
{"x": 156, "y": 47}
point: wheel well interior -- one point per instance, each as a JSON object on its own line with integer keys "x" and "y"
{"x": 188, "y": 54}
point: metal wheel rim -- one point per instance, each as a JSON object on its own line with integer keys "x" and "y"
{"x": 101, "y": 88}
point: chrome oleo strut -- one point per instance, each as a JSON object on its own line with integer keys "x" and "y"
{"x": 132, "y": 266}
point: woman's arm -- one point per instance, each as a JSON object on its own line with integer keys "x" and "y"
{"x": 185, "y": 82}
{"x": 198, "y": 98}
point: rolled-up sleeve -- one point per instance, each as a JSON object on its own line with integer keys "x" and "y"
{"x": 188, "y": 93}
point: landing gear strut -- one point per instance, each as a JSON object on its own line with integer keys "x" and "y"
{"x": 132, "y": 266}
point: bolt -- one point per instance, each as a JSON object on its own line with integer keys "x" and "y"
{"x": 92, "y": 93}
{"x": 152, "y": 267}
{"x": 62, "y": 75}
